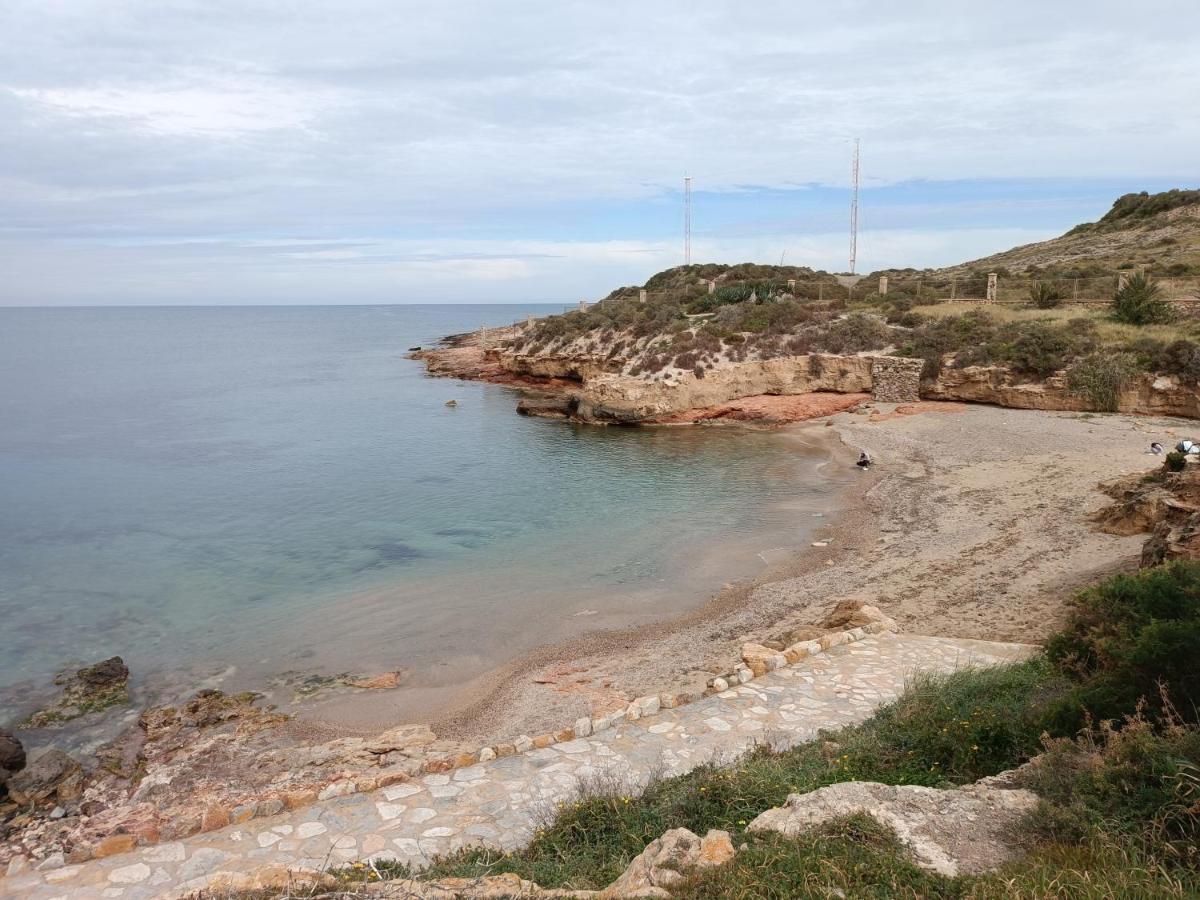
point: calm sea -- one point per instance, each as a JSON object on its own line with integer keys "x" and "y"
{"x": 260, "y": 490}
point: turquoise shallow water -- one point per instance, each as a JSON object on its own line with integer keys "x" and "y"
{"x": 278, "y": 488}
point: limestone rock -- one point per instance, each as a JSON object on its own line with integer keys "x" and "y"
{"x": 665, "y": 860}
{"x": 487, "y": 887}
{"x": 381, "y": 682}
{"x": 627, "y": 398}
{"x": 952, "y": 832}
{"x": 42, "y": 778}
{"x": 761, "y": 659}
{"x": 854, "y": 612}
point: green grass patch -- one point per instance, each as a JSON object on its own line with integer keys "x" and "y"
{"x": 946, "y": 730}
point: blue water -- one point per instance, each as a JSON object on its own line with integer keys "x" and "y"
{"x": 278, "y": 488}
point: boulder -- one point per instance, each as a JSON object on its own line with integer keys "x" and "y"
{"x": 12, "y": 755}
{"x": 666, "y": 861}
{"x": 42, "y": 778}
{"x": 762, "y": 659}
{"x": 854, "y": 612}
{"x": 962, "y": 831}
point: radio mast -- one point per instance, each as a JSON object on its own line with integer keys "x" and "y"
{"x": 687, "y": 220}
{"x": 854, "y": 210}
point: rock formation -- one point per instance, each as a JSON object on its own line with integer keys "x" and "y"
{"x": 1165, "y": 505}
{"x": 667, "y": 860}
{"x": 962, "y": 831}
{"x": 91, "y": 689}
{"x": 12, "y": 755}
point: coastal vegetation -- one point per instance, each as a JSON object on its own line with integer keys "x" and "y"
{"x": 1139, "y": 302}
{"x": 692, "y": 319}
{"x": 1102, "y": 725}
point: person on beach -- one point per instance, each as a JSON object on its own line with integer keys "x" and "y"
{"x": 1156, "y": 448}
{"x": 1187, "y": 447}
{"x": 864, "y": 460}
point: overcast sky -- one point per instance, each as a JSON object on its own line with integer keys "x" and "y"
{"x": 396, "y": 151}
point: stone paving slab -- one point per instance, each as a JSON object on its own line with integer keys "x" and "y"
{"x": 499, "y": 803}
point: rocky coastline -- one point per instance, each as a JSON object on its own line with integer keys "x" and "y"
{"x": 218, "y": 759}
{"x": 589, "y": 386}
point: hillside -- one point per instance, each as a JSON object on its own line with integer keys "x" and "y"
{"x": 1158, "y": 231}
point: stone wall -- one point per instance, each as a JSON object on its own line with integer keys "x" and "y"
{"x": 896, "y": 379}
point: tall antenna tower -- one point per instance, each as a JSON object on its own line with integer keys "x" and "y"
{"x": 687, "y": 220}
{"x": 854, "y": 210}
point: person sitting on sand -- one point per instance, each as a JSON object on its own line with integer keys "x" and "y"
{"x": 1156, "y": 448}
{"x": 1187, "y": 447}
{"x": 864, "y": 460}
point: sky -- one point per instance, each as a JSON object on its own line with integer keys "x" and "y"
{"x": 390, "y": 151}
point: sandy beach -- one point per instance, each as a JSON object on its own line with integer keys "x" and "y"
{"x": 973, "y": 523}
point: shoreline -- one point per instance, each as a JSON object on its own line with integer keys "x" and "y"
{"x": 948, "y": 535}
{"x": 454, "y": 702}
{"x": 908, "y": 539}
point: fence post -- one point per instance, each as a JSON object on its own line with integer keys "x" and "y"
{"x": 712, "y": 285}
{"x": 1075, "y": 290}
{"x": 820, "y": 291}
{"x": 641, "y": 296}
{"x": 529, "y": 320}
{"x": 953, "y": 287}
{"x": 992, "y": 287}
{"x": 483, "y": 337}
{"x": 882, "y": 285}
{"x": 791, "y": 284}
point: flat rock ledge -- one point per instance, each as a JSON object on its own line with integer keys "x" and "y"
{"x": 962, "y": 831}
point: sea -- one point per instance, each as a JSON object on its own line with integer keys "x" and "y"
{"x": 239, "y": 495}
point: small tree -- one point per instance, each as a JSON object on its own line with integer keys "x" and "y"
{"x": 1139, "y": 302}
{"x": 1044, "y": 295}
{"x": 1100, "y": 377}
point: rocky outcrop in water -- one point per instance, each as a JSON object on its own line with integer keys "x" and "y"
{"x": 90, "y": 689}
{"x": 579, "y": 380}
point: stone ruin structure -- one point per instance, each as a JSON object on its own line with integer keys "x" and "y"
{"x": 896, "y": 379}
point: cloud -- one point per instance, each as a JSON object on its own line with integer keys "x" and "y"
{"x": 217, "y": 111}
{"x": 130, "y": 121}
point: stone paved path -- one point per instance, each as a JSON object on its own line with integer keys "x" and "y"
{"x": 499, "y": 802}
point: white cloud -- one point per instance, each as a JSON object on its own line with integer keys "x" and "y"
{"x": 136, "y": 121}
{"x": 226, "y": 111}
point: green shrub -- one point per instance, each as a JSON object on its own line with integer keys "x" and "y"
{"x": 1100, "y": 377}
{"x": 934, "y": 339}
{"x": 1129, "y": 639}
{"x": 854, "y": 334}
{"x": 1181, "y": 357}
{"x": 1044, "y": 295}
{"x": 1140, "y": 780}
{"x": 1176, "y": 461}
{"x": 1139, "y": 302}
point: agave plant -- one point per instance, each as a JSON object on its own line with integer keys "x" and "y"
{"x": 1045, "y": 295}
